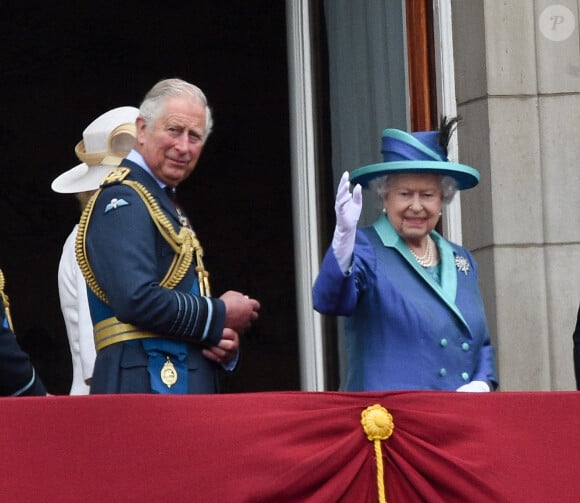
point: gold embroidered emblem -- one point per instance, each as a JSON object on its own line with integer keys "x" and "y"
{"x": 168, "y": 373}
{"x": 117, "y": 175}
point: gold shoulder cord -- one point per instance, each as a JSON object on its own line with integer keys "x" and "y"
{"x": 184, "y": 243}
{"x": 6, "y": 301}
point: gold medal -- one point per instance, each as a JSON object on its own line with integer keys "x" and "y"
{"x": 168, "y": 373}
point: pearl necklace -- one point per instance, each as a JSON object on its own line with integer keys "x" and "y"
{"x": 427, "y": 259}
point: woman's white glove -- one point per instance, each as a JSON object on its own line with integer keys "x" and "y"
{"x": 475, "y": 386}
{"x": 347, "y": 208}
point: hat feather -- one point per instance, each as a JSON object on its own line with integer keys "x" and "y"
{"x": 447, "y": 127}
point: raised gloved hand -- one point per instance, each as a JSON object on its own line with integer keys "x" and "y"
{"x": 347, "y": 208}
{"x": 475, "y": 387}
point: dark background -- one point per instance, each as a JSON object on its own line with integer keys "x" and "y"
{"x": 64, "y": 64}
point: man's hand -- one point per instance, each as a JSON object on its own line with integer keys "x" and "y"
{"x": 241, "y": 311}
{"x": 226, "y": 349}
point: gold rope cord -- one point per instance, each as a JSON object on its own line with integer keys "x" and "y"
{"x": 378, "y": 425}
{"x": 184, "y": 243}
{"x": 81, "y": 250}
{"x": 6, "y": 301}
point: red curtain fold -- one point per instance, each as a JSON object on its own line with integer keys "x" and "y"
{"x": 290, "y": 447}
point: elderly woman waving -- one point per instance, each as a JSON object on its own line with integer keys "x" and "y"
{"x": 414, "y": 316}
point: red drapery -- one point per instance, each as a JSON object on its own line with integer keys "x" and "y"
{"x": 291, "y": 447}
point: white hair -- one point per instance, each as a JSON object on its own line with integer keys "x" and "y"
{"x": 152, "y": 105}
{"x": 382, "y": 185}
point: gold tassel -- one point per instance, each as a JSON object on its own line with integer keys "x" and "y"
{"x": 378, "y": 425}
{"x": 202, "y": 274}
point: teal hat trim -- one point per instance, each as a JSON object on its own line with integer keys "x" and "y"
{"x": 466, "y": 176}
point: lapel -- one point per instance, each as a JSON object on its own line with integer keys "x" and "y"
{"x": 447, "y": 291}
{"x": 138, "y": 174}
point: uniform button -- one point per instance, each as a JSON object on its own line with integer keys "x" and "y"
{"x": 465, "y": 376}
{"x": 443, "y": 343}
{"x": 465, "y": 346}
{"x": 443, "y": 372}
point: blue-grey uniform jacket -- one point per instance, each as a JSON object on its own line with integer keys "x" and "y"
{"x": 17, "y": 375}
{"x": 129, "y": 258}
{"x": 403, "y": 329}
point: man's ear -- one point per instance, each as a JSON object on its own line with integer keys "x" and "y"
{"x": 141, "y": 127}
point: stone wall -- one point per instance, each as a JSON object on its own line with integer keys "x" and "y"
{"x": 518, "y": 82}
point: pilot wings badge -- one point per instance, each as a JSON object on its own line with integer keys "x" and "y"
{"x": 115, "y": 203}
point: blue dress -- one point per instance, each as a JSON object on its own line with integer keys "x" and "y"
{"x": 403, "y": 329}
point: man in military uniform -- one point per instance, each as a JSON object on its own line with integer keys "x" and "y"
{"x": 106, "y": 141}
{"x": 17, "y": 375}
{"x": 157, "y": 328}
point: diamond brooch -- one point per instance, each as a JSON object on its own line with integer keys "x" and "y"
{"x": 462, "y": 264}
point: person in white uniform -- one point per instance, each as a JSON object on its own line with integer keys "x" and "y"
{"x": 105, "y": 142}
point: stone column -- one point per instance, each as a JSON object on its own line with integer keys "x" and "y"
{"x": 518, "y": 83}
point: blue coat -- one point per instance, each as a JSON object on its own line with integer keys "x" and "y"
{"x": 129, "y": 258}
{"x": 17, "y": 375}
{"x": 403, "y": 330}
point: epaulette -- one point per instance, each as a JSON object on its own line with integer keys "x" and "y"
{"x": 5, "y": 301}
{"x": 115, "y": 176}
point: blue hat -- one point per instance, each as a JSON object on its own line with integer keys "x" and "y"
{"x": 419, "y": 152}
